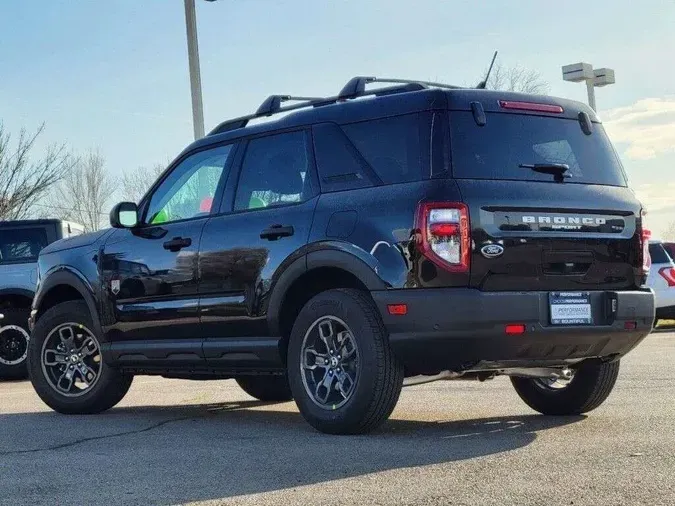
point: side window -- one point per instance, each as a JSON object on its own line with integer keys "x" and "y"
{"x": 274, "y": 172}
{"x": 340, "y": 165}
{"x": 21, "y": 245}
{"x": 396, "y": 148}
{"x": 189, "y": 189}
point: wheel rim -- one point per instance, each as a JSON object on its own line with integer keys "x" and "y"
{"x": 329, "y": 363}
{"x": 13, "y": 345}
{"x": 71, "y": 359}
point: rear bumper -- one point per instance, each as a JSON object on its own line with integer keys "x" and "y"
{"x": 464, "y": 329}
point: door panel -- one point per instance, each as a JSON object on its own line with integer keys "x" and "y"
{"x": 157, "y": 289}
{"x": 242, "y": 251}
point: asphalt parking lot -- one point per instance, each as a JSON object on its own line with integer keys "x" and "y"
{"x": 449, "y": 443}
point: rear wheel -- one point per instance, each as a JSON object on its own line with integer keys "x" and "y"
{"x": 14, "y": 338}
{"x": 66, "y": 366}
{"x": 344, "y": 377}
{"x": 589, "y": 387}
{"x": 266, "y": 388}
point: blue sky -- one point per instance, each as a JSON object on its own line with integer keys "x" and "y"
{"x": 113, "y": 75}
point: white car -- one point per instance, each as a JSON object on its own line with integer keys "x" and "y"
{"x": 662, "y": 280}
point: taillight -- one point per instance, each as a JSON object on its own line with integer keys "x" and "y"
{"x": 668, "y": 273}
{"x": 444, "y": 234}
{"x": 646, "y": 257}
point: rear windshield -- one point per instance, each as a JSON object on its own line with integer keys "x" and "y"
{"x": 21, "y": 245}
{"x": 658, "y": 254}
{"x": 497, "y": 149}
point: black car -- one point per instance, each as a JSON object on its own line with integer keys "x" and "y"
{"x": 415, "y": 231}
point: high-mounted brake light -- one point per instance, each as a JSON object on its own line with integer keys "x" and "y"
{"x": 668, "y": 273}
{"x": 444, "y": 234}
{"x": 530, "y": 106}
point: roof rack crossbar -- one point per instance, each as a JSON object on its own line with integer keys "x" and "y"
{"x": 273, "y": 103}
{"x": 356, "y": 86}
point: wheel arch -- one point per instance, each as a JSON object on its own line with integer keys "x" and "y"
{"x": 65, "y": 285}
{"x": 19, "y": 298}
{"x": 309, "y": 275}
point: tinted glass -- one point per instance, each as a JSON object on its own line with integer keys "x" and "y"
{"x": 274, "y": 172}
{"x": 21, "y": 245}
{"x": 394, "y": 147}
{"x": 189, "y": 189}
{"x": 658, "y": 254}
{"x": 496, "y": 150}
{"x": 340, "y": 165}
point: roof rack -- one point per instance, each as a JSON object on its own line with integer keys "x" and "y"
{"x": 356, "y": 87}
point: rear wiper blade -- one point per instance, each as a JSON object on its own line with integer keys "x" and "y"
{"x": 559, "y": 170}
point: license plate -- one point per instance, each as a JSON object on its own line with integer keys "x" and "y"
{"x": 570, "y": 308}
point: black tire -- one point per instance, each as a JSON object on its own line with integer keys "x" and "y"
{"x": 589, "y": 388}
{"x": 266, "y": 388}
{"x": 109, "y": 389}
{"x": 13, "y": 344}
{"x": 379, "y": 375}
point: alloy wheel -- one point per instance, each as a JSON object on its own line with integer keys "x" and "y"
{"x": 71, "y": 359}
{"x": 330, "y": 362}
{"x": 13, "y": 345}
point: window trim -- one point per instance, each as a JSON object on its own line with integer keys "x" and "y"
{"x": 144, "y": 205}
{"x": 311, "y": 171}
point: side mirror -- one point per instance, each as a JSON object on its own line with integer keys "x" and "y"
{"x": 124, "y": 215}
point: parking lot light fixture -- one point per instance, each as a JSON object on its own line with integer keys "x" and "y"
{"x": 584, "y": 72}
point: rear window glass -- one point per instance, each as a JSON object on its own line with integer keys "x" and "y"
{"x": 393, "y": 147}
{"x": 21, "y": 245}
{"x": 658, "y": 254}
{"x": 496, "y": 150}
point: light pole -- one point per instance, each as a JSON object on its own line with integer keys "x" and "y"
{"x": 193, "y": 63}
{"x": 578, "y": 72}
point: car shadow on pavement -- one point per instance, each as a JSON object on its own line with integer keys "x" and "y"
{"x": 168, "y": 455}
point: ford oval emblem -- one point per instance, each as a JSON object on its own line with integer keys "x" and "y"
{"x": 492, "y": 250}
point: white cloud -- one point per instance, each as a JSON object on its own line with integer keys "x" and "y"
{"x": 646, "y": 128}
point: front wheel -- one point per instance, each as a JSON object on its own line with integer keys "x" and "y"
{"x": 14, "y": 339}
{"x": 590, "y": 385}
{"x": 344, "y": 376}
{"x": 66, "y": 366}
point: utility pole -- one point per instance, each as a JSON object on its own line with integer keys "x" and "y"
{"x": 193, "y": 62}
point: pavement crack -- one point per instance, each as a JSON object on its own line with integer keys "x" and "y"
{"x": 96, "y": 438}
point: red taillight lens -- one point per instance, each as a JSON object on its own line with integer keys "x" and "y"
{"x": 444, "y": 234}
{"x": 668, "y": 273}
{"x": 530, "y": 106}
{"x": 646, "y": 257}
{"x": 397, "y": 309}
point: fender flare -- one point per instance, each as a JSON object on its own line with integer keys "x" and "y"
{"x": 335, "y": 258}
{"x": 74, "y": 279}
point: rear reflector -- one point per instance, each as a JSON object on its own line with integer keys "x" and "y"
{"x": 630, "y": 325}
{"x": 530, "y": 106}
{"x": 397, "y": 309}
{"x": 513, "y": 329}
{"x": 668, "y": 273}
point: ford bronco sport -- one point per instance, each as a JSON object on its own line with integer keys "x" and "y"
{"x": 412, "y": 232}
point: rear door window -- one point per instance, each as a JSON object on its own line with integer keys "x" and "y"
{"x": 22, "y": 245}
{"x": 497, "y": 149}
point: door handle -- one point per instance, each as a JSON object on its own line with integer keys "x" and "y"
{"x": 177, "y": 243}
{"x": 275, "y": 231}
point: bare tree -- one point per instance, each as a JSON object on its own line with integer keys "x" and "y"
{"x": 136, "y": 182}
{"x": 85, "y": 193}
{"x": 669, "y": 233}
{"x": 24, "y": 180}
{"x": 516, "y": 79}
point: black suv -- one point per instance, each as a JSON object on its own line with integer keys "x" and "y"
{"x": 379, "y": 237}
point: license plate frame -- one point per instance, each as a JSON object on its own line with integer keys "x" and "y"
{"x": 570, "y": 308}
